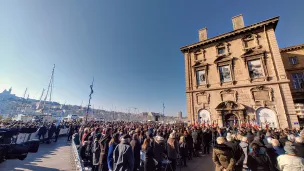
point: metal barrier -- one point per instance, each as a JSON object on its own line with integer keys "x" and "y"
{"x": 23, "y": 137}
{"x": 77, "y": 159}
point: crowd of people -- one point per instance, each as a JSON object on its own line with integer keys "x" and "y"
{"x": 259, "y": 150}
{"x": 132, "y": 146}
{"x": 150, "y": 146}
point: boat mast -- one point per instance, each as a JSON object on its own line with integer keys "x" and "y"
{"x": 38, "y": 106}
{"x": 47, "y": 92}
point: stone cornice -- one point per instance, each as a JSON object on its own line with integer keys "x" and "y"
{"x": 291, "y": 48}
{"x": 272, "y": 21}
{"x": 239, "y": 86}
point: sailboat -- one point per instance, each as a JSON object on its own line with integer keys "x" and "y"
{"x": 41, "y": 108}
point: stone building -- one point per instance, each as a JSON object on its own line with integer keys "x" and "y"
{"x": 238, "y": 76}
{"x": 293, "y": 59}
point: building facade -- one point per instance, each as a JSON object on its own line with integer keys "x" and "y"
{"x": 293, "y": 59}
{"x": 238, "y": 77}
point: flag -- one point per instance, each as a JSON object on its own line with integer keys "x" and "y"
{"x": 203, "y": 124}
{"x": 234, "y": 122}
{"x": 212, "y": 124}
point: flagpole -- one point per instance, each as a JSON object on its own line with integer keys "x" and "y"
{"x": 91, "y": 86}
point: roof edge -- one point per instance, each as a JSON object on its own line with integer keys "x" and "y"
{"x": 273, "y": 20}
{"x": 291, "y": 48}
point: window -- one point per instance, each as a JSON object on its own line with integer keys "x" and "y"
{"x": 255, "y": 69}
{"x": 201, "y": 77}
{"x": 298, "y": 80}
{"x": 221, "y": 51}
{"x": 293, "y": 60}
{"x": 225, "y": 74}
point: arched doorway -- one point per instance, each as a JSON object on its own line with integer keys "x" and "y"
{"x": 230, "y": 119}
{"x": 267, "y": 116}
{"x": 204, "y": 115}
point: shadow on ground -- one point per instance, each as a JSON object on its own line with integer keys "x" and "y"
{"x": 50, "y": 157}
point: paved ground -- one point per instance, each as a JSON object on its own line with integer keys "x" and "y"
{"x": 203, "y": 163}
{"x": 50, "y": 157}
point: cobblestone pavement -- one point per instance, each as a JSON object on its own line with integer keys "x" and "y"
{"x": 50, "y": 157}
{"x": 203, "y": 163}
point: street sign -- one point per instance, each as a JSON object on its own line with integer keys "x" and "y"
{"x": 296, "y": 123}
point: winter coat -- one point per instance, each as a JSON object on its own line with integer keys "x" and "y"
{"x": 299, "y": 149}
{"x": 206, "y": 138}
{"x": 123, "y": 157}
{"x": 189, "y": 141}
{"x": 290, "y": 163}
{"x": 136, "y": 147}
{"x": 259, "y": 162}
{"x": 183, "y": 149}
{"x": 110, "y": 155}
{"x": 159, "y": 149}
{"x": 96, "y": 152}
{"x": 222, "y": 157}
{"x": 149, "y": 164}
{"x": 173, "y": 151}
{"x": 104, "y": 149}
{"x": 237, "y": 153}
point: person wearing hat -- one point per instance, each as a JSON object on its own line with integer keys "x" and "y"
{"x": 289, "y": 161}
{"x": 123, "y": 158}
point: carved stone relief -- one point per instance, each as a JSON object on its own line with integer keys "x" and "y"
{"x": 203, "y": 98}
{"x": 229, "y": 95}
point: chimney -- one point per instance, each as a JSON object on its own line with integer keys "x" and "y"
{"x": 238, "y": 22}
{"x": 202, "y": 34}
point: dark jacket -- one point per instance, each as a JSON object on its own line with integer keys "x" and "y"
{"x": 173, "y": 151}
{"x": 183, "y": 149}
{"x": 123, "y": 157}
{"x": 149, "y": 162}
{"x": 237, "y": 153}
{"x": 136, "y": 147}
{"x": 104, "y": 149}
{"x": 259, "y": 162}
{"x": 299, "y": 149}
{"x": 159, "y": 149}
{"x": 222, "y": 157}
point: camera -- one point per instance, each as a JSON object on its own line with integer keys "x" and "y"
{"x": 9, "y": 149}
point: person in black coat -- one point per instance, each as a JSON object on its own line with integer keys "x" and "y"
{"x": 299, "y": 146}
{"x": 57, "y": 131}
{"x": 257, "y": 161}
{"x": 149, "y": 164}
{"x": 206, "y": 139}
{"x": 183, "y": 149}
{"x": 136, "y": 147}
{"x": 70, "y": 132}
{"x": 41, "y": 133}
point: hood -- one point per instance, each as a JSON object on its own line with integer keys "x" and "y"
{"x": 243, "y": 144}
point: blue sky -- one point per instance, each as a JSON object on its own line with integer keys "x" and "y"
{"x": 130, "y": 47}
